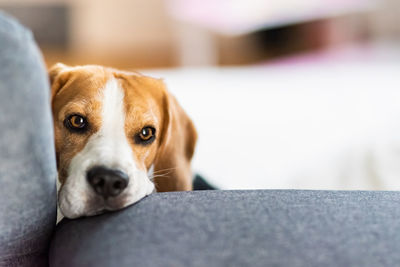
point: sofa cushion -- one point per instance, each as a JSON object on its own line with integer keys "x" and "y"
{"x": 238, "y": 228}
{"x": 28, "y": 171}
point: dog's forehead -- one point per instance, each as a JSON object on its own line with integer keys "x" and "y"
{"x": 82, "y": 86}
{"x": 85, "y": 85}
{"x": 140, "y": 92}
{"x": 143, "y": 100}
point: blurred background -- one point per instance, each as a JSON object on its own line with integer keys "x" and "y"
{"x": 284, "y": 93}
{"x": 170, "y": 33}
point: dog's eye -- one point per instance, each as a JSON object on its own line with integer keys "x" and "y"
{"x": 145, "y": 136}
{"x": 76, "y": 122}
{"x": 146, "y": 133}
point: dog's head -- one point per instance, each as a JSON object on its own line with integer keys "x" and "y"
{"x": 113, "y": 128}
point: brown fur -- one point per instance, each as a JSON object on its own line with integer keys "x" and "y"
{"x": 147, "y": 102}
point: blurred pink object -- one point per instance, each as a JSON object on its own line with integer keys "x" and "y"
{"x": 235, "y": 17}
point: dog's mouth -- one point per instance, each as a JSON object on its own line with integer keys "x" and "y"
{"x": 75, "y": 203}
{"x": 103, "y": 208}
{"x": 97, "y": 212}
{"x": 107, "y": 204}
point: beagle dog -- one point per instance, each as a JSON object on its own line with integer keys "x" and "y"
{"x": 119, "y": 136}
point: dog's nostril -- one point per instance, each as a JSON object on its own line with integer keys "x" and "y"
{"x": 107, "y": 182}
{"x": 101, "y": 182}
{"x": 117, "y": 185}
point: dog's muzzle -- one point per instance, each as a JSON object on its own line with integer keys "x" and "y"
{"x": 107, "y": 182}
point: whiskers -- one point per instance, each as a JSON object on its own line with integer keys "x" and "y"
{"x": 161, "y": 173}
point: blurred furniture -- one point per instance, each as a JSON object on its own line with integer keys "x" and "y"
{"x": 243, "y": 32}
{"x": 120, "y": 33}
{"x": 166, "y": 33}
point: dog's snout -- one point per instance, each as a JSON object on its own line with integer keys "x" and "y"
{"x": 107, "y": 182}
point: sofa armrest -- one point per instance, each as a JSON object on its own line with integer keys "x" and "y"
{"x": 238, "y": 228}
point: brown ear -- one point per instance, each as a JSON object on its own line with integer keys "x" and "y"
{"x": 176, "y": 148}
{"x": 58, "y": 75}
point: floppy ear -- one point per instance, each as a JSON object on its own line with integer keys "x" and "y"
{"x": 176, "y": 148}
{"x": 58, "y": 75}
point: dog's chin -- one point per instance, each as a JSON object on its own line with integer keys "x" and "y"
{"x": 108, "y": 206}
{"x": 96, "y": 208}
{"x": 94, "y": 205}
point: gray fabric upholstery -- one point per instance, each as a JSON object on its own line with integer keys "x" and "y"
{"x": 27, "y": 163}
{"x": 238, "y": 228}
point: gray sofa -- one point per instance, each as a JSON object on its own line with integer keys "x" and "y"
{"x": 238, "y": 228}
{"x": 199, "y": 228}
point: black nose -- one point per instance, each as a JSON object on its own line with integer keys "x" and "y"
{"x": 107, "y": 182}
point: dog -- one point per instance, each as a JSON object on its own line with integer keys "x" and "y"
{"x": 119, "y": 136}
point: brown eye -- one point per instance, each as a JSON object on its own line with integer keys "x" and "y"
{"x": 145, "y": 136}
{"x": 76, "y": 122}
{"x": 146, "y": 133}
